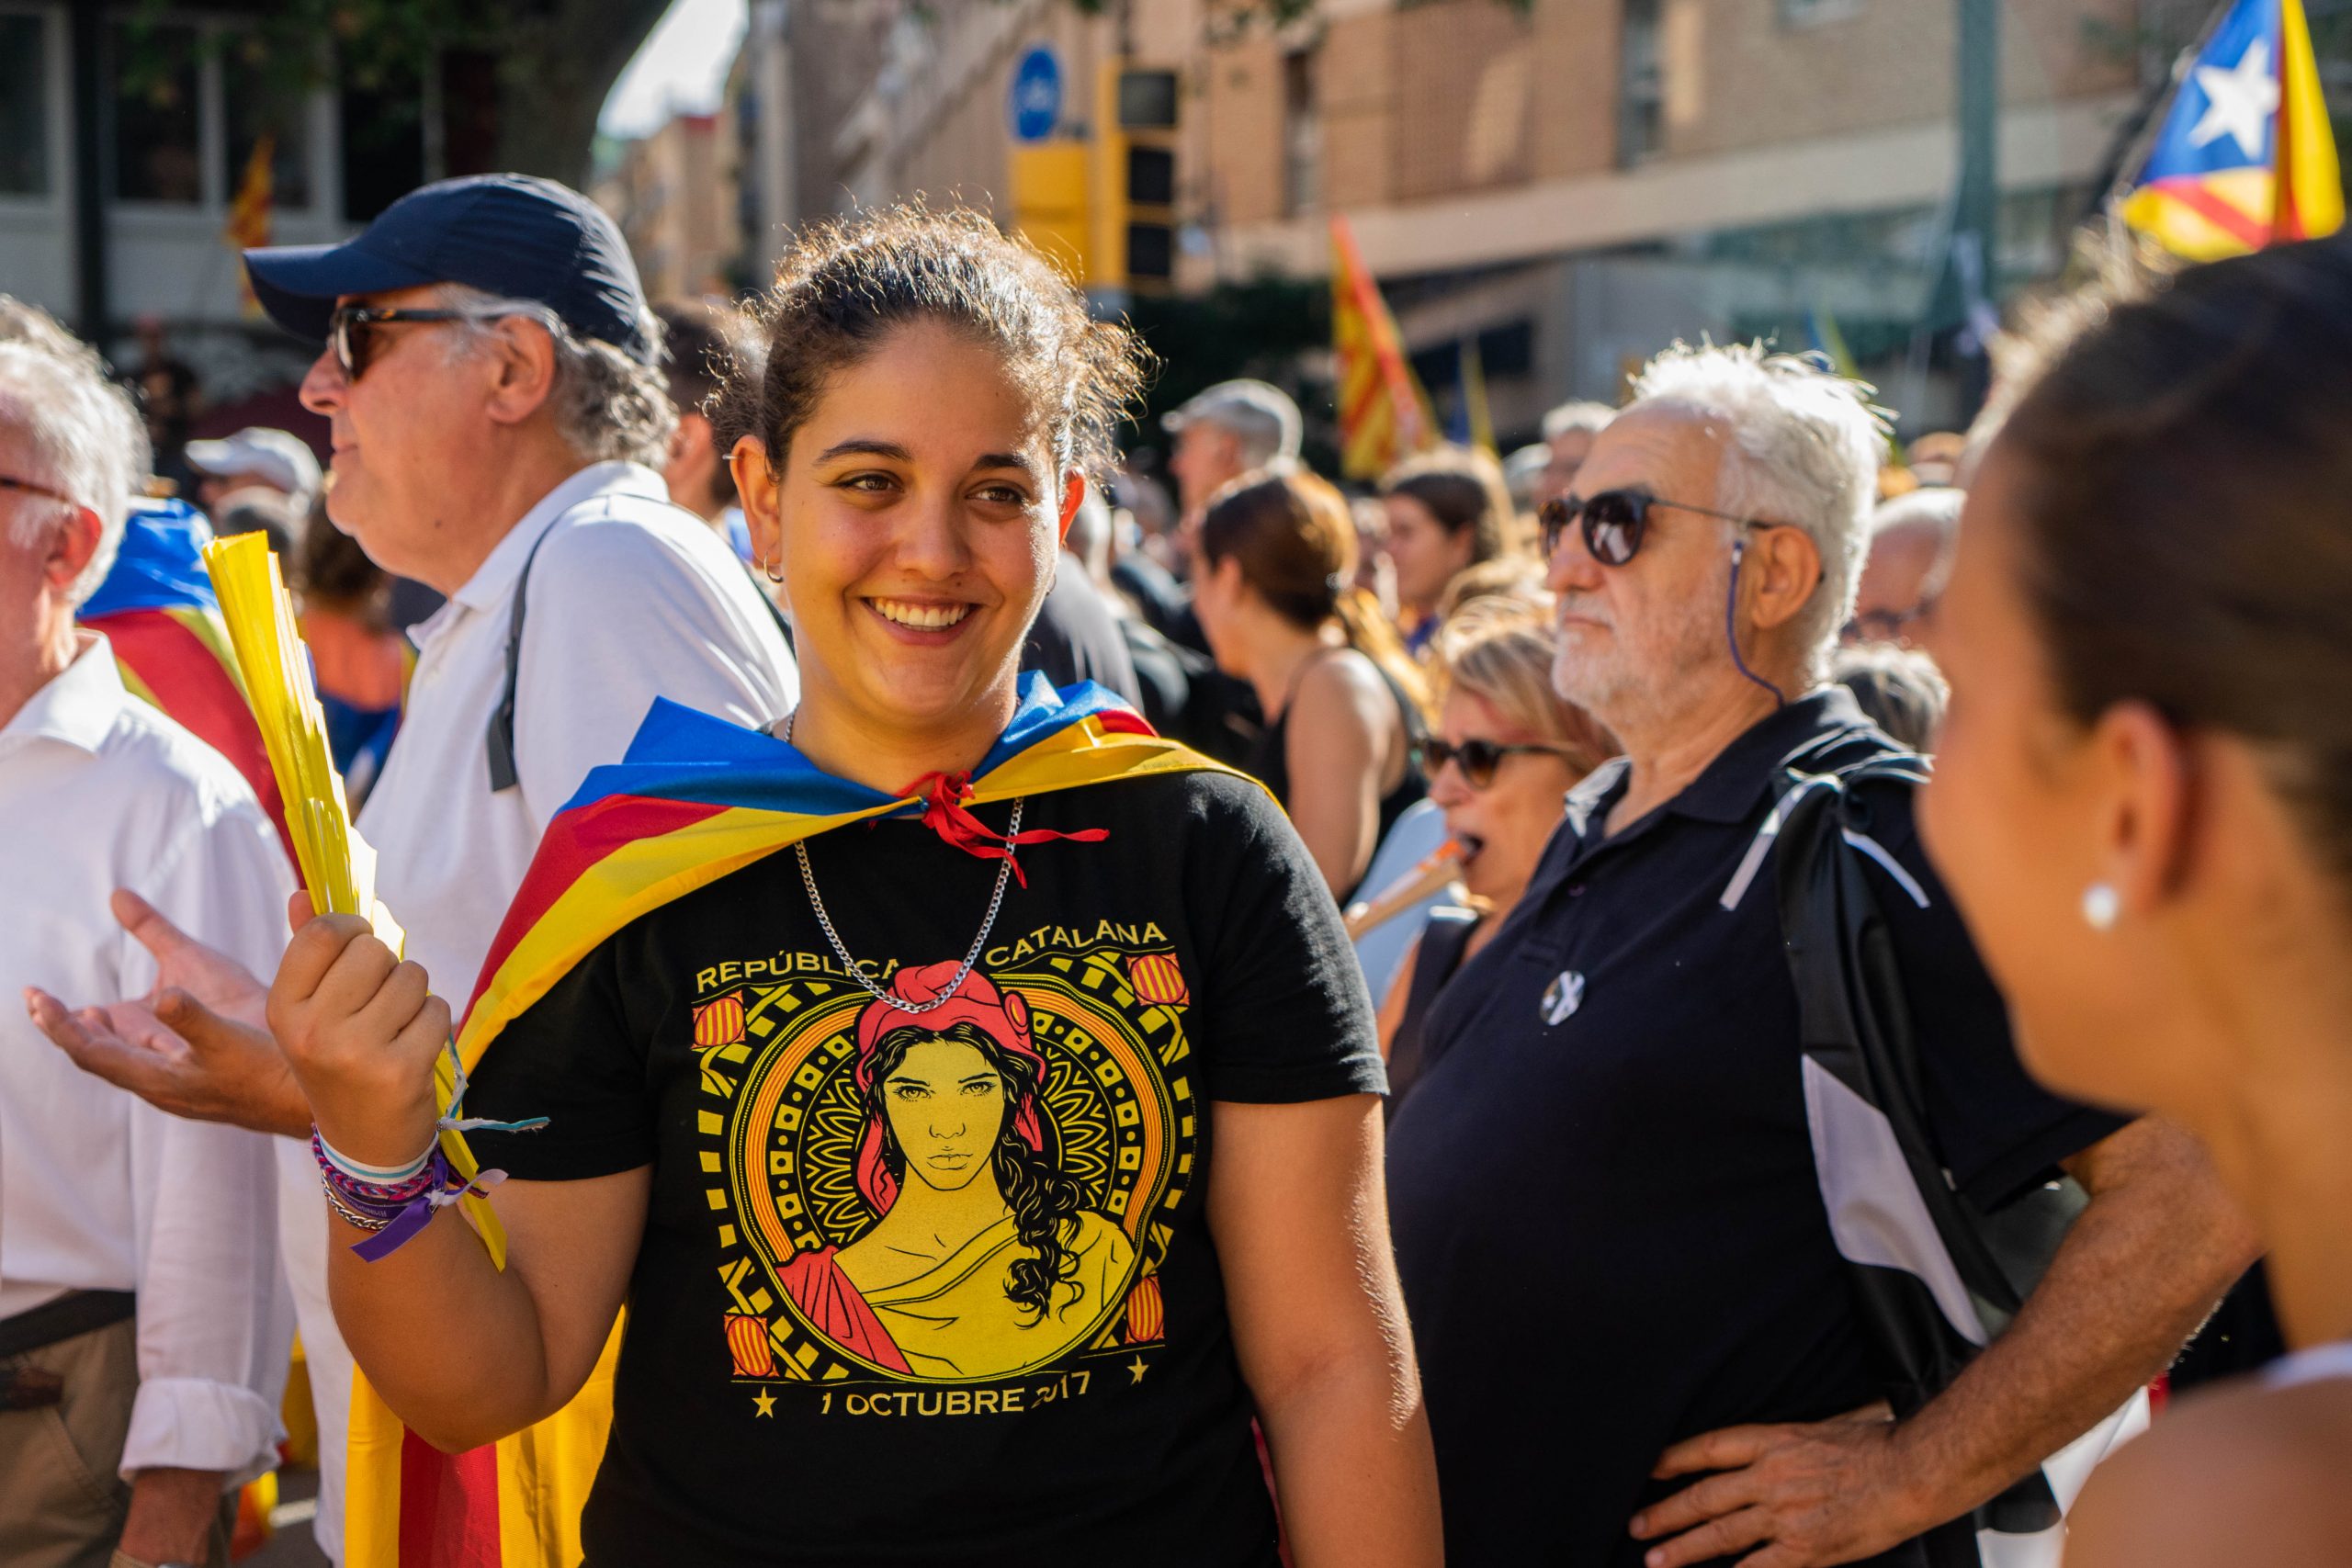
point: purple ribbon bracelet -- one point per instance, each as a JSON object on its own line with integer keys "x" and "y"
{"x": 395, "y": 1211}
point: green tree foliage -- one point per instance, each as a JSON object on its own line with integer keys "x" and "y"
{"x": 555, "y": 59}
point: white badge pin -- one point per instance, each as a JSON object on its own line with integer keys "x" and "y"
{"x": 1562, "y": 996}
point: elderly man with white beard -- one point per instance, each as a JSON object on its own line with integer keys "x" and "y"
{"x": 1640, "y": 1339}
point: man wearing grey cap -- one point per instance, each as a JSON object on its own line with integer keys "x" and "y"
{"x": 1224, "y": 432}
{"x": 491, "y": 375}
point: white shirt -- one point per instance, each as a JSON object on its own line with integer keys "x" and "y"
{"x": 632, "y": 598}
{"x": 97, "y": 1189}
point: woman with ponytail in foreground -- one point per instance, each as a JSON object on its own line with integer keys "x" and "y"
{"x": 2142, "y": 801}
{"x": 1276, "y": 595}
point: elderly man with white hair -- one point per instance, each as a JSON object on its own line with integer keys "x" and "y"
{"x": 143, "y": 1324}
{"x": 489, "y": 371}
{"x": 1913, "y": 538}
{"x": 1640, "y": 1334}
{"x": 1569, "y": 432}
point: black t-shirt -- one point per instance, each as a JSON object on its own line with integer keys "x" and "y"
{"x": 840, "y": 1349}
{"x": 1603, "y": 1186}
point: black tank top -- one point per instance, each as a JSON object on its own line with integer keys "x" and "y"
{"x": 1270, "y": 759}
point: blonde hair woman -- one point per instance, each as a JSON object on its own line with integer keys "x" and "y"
{"x": 1507, "y": 748}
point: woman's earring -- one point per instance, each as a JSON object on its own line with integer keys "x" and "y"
{"x": 2101, "y": 905}
{"x": 769, "y": 568}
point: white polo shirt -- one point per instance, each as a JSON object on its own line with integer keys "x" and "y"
{"x": 99, "y": 1190}
{"x": 631, "y": 598}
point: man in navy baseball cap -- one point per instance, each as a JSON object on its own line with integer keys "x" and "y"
{"x": 516, "y": 236}
{"x": 490, "y": 375}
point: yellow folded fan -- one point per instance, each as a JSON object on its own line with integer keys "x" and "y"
{"x": 338, "y": 865}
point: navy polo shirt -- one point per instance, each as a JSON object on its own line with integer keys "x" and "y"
{"x": 1603, "y": 1186}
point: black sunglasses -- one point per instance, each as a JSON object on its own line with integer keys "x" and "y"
{"x": 1477, "y": 759}
{"x": 1615, "y": 522}
{"x": 350, "y": 330}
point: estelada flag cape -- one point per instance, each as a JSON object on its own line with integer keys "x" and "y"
{"x": 158, "y": 613}
{"x": 2245, "y": 157}
{"x": 695, "y": 799}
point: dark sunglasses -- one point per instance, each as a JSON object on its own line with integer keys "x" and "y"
{"x": 350, "y": 331}
{"x": 1615, "y": 522}
{"x": 1477, "y": 759}
{"x": 9, "y": 482}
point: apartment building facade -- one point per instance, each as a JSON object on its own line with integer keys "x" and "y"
{"x": 1568, "y": 183}
{"x": 674, "y": 194}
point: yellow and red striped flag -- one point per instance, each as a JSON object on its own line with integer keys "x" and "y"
{"x": 248, "y": 225}
{"x": 2245, "y": 157}
{"x": 1384, "y": 412}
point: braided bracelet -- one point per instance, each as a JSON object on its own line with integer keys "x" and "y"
{"x": 393, "y": 1213}
{"x": 349, "y": 1215}
{"x": 393, "y": 1203}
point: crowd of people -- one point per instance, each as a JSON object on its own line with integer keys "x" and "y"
{"x": 1698, "y": 995}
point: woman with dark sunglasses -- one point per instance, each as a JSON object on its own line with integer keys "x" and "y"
{"x": 1506, "y": 750}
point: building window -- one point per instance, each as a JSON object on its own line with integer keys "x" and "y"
{"x": 259, "y": 98}
{"x": 158, "y": 114}
{"x": 24, "y": 107}
{"x": 383, "y": 143}
{"x": 1641, "y": 108}
{"x": 1813, "y": 13}
{"x": 1302, "y": 135}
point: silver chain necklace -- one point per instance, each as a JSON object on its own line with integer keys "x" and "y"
{"x": 963, "y": 971}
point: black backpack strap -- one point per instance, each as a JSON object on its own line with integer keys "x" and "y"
{"x": 503, "y": 775}
{"x": 1931, "y": 1287}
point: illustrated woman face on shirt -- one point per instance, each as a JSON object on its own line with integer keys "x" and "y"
{"x": 945, "y": 1105}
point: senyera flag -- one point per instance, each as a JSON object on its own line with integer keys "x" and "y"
{"x": 2245, "y": 156}
{"x": 1383, "y": 413}
{"x": 695, "y": 799}
{"x": 162, "y": 620}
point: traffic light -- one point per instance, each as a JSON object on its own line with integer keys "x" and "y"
{"x": 1049, "y": 206}
{"x": 1134, "y": 209}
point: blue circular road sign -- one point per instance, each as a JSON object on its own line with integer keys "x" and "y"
{"x": 1035, "y": 103}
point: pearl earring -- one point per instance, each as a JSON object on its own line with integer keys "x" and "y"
{"x": 2101, "y": 905}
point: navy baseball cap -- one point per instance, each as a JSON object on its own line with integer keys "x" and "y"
{"x": 516, "y": 236}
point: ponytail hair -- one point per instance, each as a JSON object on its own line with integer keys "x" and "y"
{"x": 1295, "y": 539}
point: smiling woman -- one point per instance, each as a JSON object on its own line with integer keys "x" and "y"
{"x": 915, "y": 554}
{"x": 1038, "y": 1113}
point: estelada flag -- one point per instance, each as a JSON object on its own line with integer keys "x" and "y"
{"x": 248, "y": 225}
{"x": 2245, "y": 157}
{"x": 1383, "y": 413}
{"x": 159, "y": 616}
{"x": 694, "y": 798}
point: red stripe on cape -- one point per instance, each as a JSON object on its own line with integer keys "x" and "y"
{"x": 197, "y": 693}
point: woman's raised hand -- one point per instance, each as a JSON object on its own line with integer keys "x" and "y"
{"x": 362, "y": 1028}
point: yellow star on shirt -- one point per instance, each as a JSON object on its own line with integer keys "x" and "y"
{"x": 1138, "y": 1368}
{"x": 765, "y": 1402}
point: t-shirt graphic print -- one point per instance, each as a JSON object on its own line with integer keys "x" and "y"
{"x": 964, "y": 1195}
